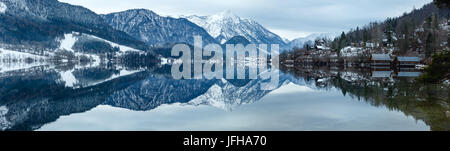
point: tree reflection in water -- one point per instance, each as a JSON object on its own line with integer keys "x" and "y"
{"x": 426, "y": 102}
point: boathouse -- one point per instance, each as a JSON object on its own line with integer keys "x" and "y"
{"x": 381, "y": 74}
{"x": 380, "y": 61}
{"x": 410, "y": 74}
{"x": 406, "y": 62}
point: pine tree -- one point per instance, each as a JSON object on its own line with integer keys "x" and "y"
{"x": 429, "y": 45}
{"x": 435, "y": 21}
{"x": 442, "y": 3}
{"x": 342, "y": 41}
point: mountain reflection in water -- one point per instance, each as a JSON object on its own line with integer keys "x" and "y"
{"x": 115, "y": 97}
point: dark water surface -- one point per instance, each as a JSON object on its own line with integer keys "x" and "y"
{"x": 113, "y": 97}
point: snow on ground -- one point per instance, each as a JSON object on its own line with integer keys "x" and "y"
{"x": 351, "y": 76}
{"x": 4, "y": 123}
{"x": 14, "y": 60}
{"x": 19, "y": 56}
{"x": 351, "y": 51}
{"x": 95, "y": 59}
{"x": 122, "y": 73}
{"x": 164, "y": 61}
{"x": 68, "y": 42}
{"x": 122, "y": 47}
{"x": 447, "y": 82}
{"x": 70, "y": 80}
{"x": 70, "y": 39}
{"x": 3, "y": 7}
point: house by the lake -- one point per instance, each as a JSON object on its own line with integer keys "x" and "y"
{"x": 406, "y": 62}
{"x": 380, "y": 61}
{"x": 381, "y": 74}
{"x": 408, "y": 74}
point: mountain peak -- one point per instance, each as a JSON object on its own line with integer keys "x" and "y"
{"x": 226, "y": 25}
{"x": 227, "y": 14}
{"x": 155, "y": 29}
{"x": 238, "y": 40}
{"x": 142, "y": 12}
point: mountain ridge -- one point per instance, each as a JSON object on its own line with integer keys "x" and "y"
{"x": 154, "y": 29}
{"x": 40, "y": 23}
{"x": 226, "y": 25}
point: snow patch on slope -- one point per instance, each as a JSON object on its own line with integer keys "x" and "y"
{"x": 4, "y": 123}
{"x": 71, "y": 81}
{"x": 122, "y": 47}
{"x": 70, "y": 39}
{"x": 68, "y": 78}
{"x": 3, "y": 7}
{"x": 68, "y": 42}
{"x": 122, "y": 73}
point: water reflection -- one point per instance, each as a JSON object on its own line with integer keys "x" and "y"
{"x": 123, "y": 97}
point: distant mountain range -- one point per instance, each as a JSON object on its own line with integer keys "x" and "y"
{"x": 153, "y": 29}
{"x": 44, "y": 25}
{"x": 300, "y": 42}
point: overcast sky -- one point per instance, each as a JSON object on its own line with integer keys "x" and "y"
{"x": 287, "y": 18}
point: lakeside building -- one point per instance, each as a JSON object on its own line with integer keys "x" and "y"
{"x": 380, "y": 61}
{"x": 406, "y": 62}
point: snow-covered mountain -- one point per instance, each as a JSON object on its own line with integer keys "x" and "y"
{"x": 38, "y": 24}
{"x": 226, "y": 25}
{"x": 300, "y": 42}
{"x": 154, "y": 29}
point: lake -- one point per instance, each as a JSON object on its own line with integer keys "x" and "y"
{"x": 118, "y": 97}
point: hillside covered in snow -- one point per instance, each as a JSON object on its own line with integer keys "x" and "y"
{"x": 226, "y": 25}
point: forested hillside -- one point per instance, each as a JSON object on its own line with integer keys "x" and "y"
{"x": 422, "y": 31}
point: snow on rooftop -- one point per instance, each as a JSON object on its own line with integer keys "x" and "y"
{"x": 381, "y": 57}
{"x": 409, "y": 74}
{"x": 350, "y": 51}
{"x": 409, "y": 59}
{"x": 381, "y": 74}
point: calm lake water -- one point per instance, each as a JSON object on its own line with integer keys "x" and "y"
{"x": 113, "y": 97}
